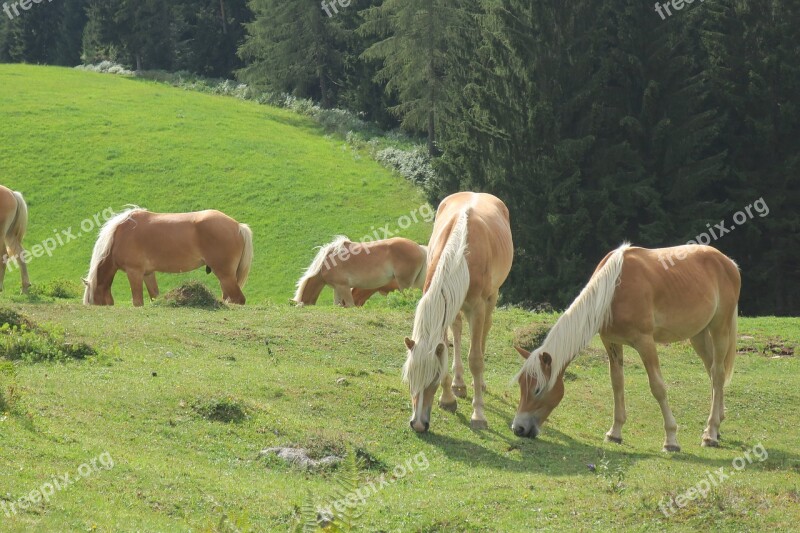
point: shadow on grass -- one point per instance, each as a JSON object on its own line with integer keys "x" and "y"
{"x": 559, "y": 454}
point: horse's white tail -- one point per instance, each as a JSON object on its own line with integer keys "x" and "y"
{"x": 243, "y": 270}
{"x": 586, "y": 315}
{"x": 105, "y": 240}
{"x": 16, "y": 231}
{"x": 316, "y": 265}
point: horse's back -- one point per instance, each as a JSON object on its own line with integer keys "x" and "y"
{"x": 674, "y": 300}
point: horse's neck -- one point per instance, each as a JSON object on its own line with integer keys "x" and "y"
{"x": 313, "y": 288}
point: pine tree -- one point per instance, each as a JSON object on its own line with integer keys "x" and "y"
{"x": 418, "y": 56}
{"x": 292, "y": 47}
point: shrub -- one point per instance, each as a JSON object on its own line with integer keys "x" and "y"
{"x": 22, "y": 340}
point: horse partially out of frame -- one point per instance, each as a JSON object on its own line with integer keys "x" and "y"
{"x": 13, "y": 224}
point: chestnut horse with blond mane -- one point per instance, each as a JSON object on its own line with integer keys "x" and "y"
{"x": 13, "y": 224}
{"x": 635, "y": 298}
{"x": 141, "y": 243}
{"x": 385, "y": 265}
{"x": 470, "y": 257}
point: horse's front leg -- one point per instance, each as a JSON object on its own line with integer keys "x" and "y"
{"x": 447, "y": 400}
{"x": 343, "y": 296}
{"x": 618, "y": 385}
{"x": 135, "y": 278}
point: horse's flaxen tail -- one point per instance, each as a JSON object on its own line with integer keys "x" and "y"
{"x": 16, "y": 231}
{"x": 243, "y": 270}
{"x": 730, "y": 356}
{"x": 102, "y": 249}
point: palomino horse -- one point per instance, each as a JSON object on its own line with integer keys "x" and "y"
{"x": 366, "y": 265}
{"x": 360, "y": 296}
{"x": 13, "y": 223}
{"x": 141, "y": 243}
{"x": 470, "y": 257}
{"x": 635, "y": 298}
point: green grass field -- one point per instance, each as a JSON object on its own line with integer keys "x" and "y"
{"x": 182, "y": 401}
{"x": 76, "y": 143}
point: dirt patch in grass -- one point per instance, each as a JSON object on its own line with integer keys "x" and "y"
{"x": 192, "y": 294}
{"x": 224, "y": 410}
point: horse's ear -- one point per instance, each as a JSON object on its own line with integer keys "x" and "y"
{"x": 439, "y": 349}
{"x": 409, "y": 343}
{"x": 85, "y": 281}
{"x": 523, "y": 352}
{"x": 546, "y": 360}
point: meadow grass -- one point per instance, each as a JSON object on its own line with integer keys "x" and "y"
{"x": 76, "y": 143}
{"x": 184, "y": 400}
{"x": 328, "y": 379}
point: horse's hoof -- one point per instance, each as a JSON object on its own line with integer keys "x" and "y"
{"x": 450, "y": 407}
{"x": 710, "y": 443}
{"x": 460, "y": 391}
{"x": 672, "y": 448}
{"x": 616, "y": 440}
{"x": 479, "y": 424}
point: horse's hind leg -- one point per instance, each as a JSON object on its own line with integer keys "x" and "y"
{"x": 19, "y": 252}
{"x": 135, "y": 278}
{"x": 6, "y": 258}
{"x": 647, "y": 350}
{"x": 614, "y": 352}
{"x": 231, "y": 292}
{"x": 720, "y": 344}
{"x": 459, "y": 387}
{"x": 152, "y": 286}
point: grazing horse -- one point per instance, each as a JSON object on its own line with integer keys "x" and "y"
{"x": 635, "y": 298}
{"x": 360, "y": 296}
{"x": 344, "y": 265}
{"x": 13, "y": 223}
{"x": 141, "y": 243}
{"x": 470, "y": 256}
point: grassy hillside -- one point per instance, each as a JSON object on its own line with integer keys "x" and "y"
{"x": 77, "y": 143}
{"x": 328, "y": 379}
{"x": 176, "y": 405}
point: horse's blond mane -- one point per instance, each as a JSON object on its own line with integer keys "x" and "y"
{"x": 102, "y": 248}
{"x": 586, "y": 315}
{"x": 315, "y": 267}
{"x": 438, "y": 307}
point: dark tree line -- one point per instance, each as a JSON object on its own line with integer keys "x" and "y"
{"x": 596, "y": 121}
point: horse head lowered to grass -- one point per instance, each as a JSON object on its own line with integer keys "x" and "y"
{"x": 357, "y": 270}
{"x": 141, "y": 243}
{"x": 634, "y": 298}
{"x": 470, "y": 255}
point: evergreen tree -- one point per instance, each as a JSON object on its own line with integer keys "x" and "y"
{"x": 418, "y": 56}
